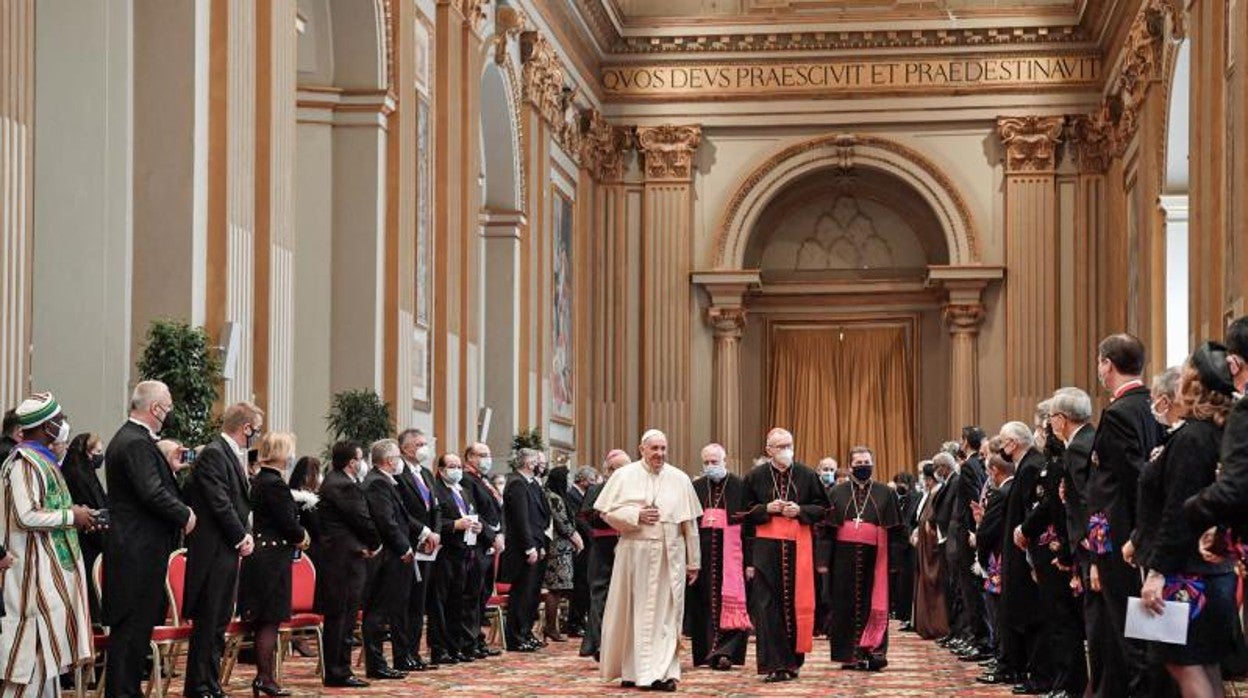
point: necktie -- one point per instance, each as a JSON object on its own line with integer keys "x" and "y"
{"x": 424, "y": 491}
{"x": 459, "y": 502}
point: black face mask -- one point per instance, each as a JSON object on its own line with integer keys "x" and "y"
{"x": 1006, "y": 456}
{"x": 901, "y": 490}
{"x": 96, "y": 461}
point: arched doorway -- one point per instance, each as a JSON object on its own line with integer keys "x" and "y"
{"x": 1174, "y": 204}
{"x": 857, "y": 263}
{"x": 502, "y": 228}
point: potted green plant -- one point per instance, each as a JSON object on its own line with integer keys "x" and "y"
{"x": 183, "y": 358}
{"x": 360, "y": 416}
{"x": 530, "y": 438}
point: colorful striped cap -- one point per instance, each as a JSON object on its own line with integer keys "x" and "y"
{"x": 37, "y": 409}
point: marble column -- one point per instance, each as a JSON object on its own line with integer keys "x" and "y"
{"x": 503, "y": 234}
{"x": 964, "y": 313}
{"x": 726, "y": 314}
{"x": 17, "y": 116}
{"x": 1030, "y": 147}
{"x": 666, "y": 301}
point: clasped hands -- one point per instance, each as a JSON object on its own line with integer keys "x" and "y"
{"x": 784, "y": 508}
{"x": 649, "y": 515}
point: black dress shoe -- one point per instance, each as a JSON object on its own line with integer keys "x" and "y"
{"x": 487, "y": 651}
{"x": 525, "y": 647}
{"x": 349, "y": 682}
{"x": 976, "y": 656}
{"x": 443, "y": 658}
{"x": 386, "y": 673}
{"x": 666, "y": 686}
{"x": 463, "y": 658}
{"x": 411, "y": 665}
{"x": 721, "y": 663}
{"x": 906, "y": 627}
{"x": 1028, "y": 688}
{"x": 777, "y": 677}
{"x": 267, "y": 688}
{"x": 627, "y": 684}
{"x": 997, "y": 677}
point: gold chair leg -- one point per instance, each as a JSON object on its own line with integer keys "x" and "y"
{"x": 155, "y": 684}
{"x": 320, "y": 652}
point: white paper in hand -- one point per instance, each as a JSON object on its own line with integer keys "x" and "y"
{"x": 429, "y": 556}
{"x": 1169, "y": 627}
{"x": 470, "y": 537}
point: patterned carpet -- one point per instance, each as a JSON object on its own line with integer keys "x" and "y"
{"x": 917, "y": 668}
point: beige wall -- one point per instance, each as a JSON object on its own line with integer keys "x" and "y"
{"x": 83, "y": 218}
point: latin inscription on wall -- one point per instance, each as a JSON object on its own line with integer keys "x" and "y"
{"x": 849, "y": 78}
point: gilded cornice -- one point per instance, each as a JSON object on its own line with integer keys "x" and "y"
{"x": 668, "y": 150}
{"x": 771, "y": 41}
{"x": 567, "y": 131}
{"x": 1030, "y": 142}
{"x": 604, "y": 147}
{"x": 543, "y": 77}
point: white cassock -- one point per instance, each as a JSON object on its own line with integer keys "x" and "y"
{"x": 646, "y": 602}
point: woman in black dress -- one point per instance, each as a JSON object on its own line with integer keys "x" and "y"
{"x": 82, "y": 460}
{"x": 1176, "y": 569}
{"x": 305, "y": 484}
{"x": 264, "y": 584}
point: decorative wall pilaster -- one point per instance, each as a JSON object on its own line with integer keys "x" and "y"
{"x": 666, "y": 302}
{"x": 605, "y": 152}
{"x": 1030, "y": 155}
{"x": 1089, "y": 144}
{"x": 963, "y": 321}
{"x": 17, "y": 115}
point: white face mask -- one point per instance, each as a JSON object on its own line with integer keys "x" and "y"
{"x": 715, "y": 471}
{"x": 485, "y": 464}
{"x": 453, "y": 475}
{"x": 401, "y": 467}
{"x": 1159, "y": 416}
{"x": 785, "y": 457}
{"x": 424, "y": 456}
{"x": 62, "y": 434}
{"x": 361, "y": 469}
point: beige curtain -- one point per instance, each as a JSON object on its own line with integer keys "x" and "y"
{"x": 835, "y": 388}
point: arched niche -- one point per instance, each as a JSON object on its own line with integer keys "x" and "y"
{"x": 850, "y": 154}
{"x": 1174, "y": 204}
{"x": 832, "y": 224}
{"x": 503, "y": 225}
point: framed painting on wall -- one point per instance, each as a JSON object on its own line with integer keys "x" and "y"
{"x": 424, "y": 211}
{"x": 420, "y": 368}
{"x": 563, "y": 353}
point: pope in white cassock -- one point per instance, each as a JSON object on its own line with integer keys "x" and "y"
{"x": 654, "y": 507}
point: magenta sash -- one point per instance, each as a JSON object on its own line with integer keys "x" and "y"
{"x": 733, "y": 614}
{"x": 864, "y": 533}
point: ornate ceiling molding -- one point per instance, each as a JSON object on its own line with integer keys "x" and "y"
{"x": 668, "y": 150}
{"x": 1030, "y": 142}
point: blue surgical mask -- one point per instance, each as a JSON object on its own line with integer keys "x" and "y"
{"x": 452, "y": 475}
{"x": 485, "y": 464}
{"x": 828, "y": 477}
{"x": 716, "y": 472}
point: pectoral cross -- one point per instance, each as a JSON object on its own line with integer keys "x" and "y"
{"x": 857, "y": 520}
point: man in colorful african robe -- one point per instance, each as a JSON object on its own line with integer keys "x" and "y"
{"x": 46, "y": 629}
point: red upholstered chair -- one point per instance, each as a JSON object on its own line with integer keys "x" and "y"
{"x": 304, "y": 621}
{"x": 496, "y": 608}
{"x": 175, "y": 590}
{"x": 99, "y": 641}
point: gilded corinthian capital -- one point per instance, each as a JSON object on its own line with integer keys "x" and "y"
{"x": 1030, "y": 142}
{"x": 604, "y": 147}
{"x": 668, "y": 150}
{"x": 543, "y": 76}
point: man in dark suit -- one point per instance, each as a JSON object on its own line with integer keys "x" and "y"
{"x": 971, "y": 478}
{"x": 1070, "y": 412}
{"x": 424, "y": 522}
{"x": 574, "y": 498}
{"x": 389, "y": 586}
{"x": 601, "y": 554}
{"x": 990, "y": 541}
{"x": 526, "y": 513}
{"x": 452, "y": 639}
{"x": 348, "y": 540}
{"x": 1125, "y": 437}
{"x": 217, "y": 491}
{"x": 146, "y": 518}
{"x": 479, "y": 585}
{"x": 1019, "y": 595}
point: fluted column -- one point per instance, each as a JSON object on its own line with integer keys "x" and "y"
{"x": 963, "y": 321}
{"x": 667, "y": 208}
{"x": 605, "y": 152}
{"x": 275, "y": 230}
{"x": 17, "y": 113}
{"x": 1089, "y": 144}
{"x": 1030, "y": 146}
{"x": 726, "y": 314}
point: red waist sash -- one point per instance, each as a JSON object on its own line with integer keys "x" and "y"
{"x": 604, "y": 533}
{"x": 783, "y": 528}
{"x": 864, "y": 533}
